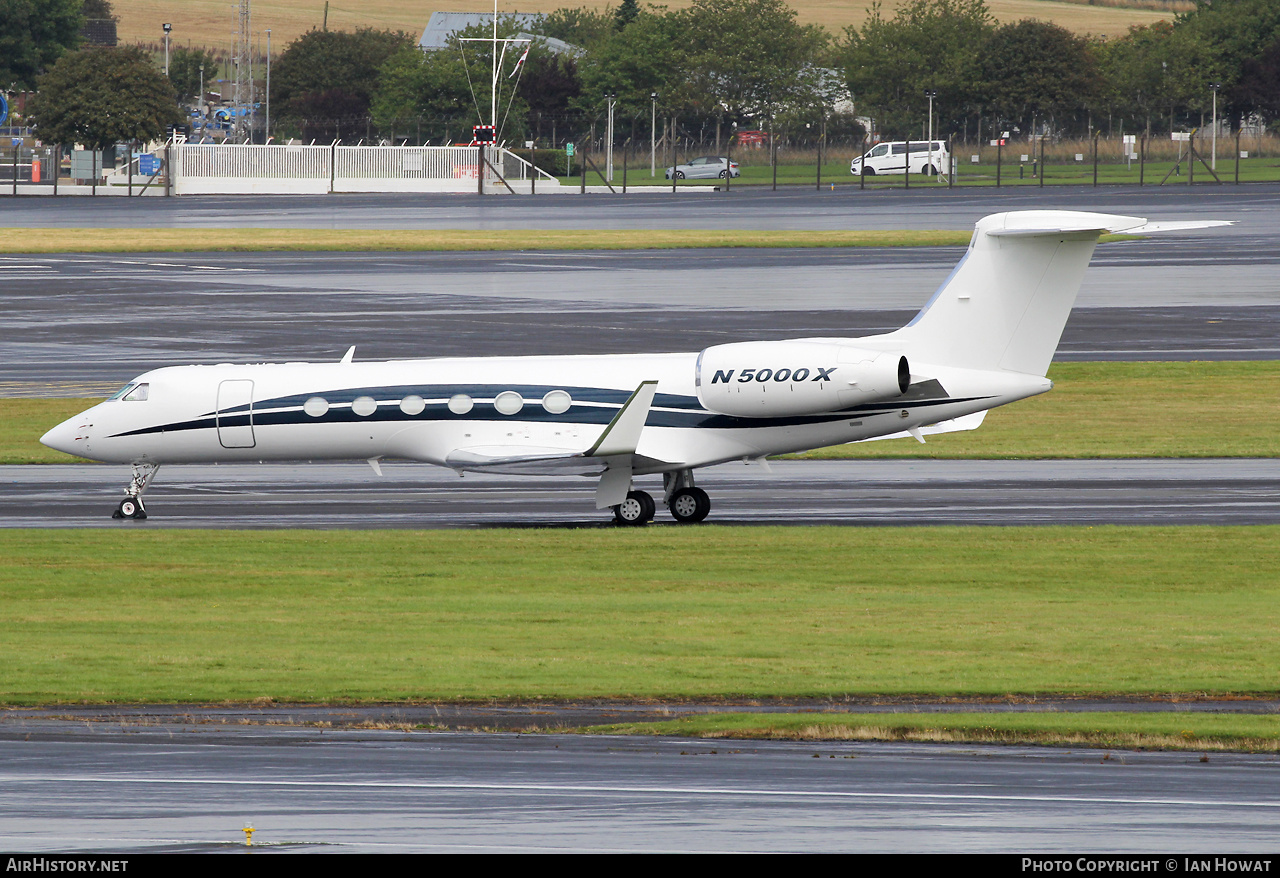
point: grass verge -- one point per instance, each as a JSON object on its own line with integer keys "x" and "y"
{"x": 1109, "y": 730}
{"x": 59, "y": 240}
{"x": 130, "y": 615}
{"x": 1116, "y": 410}
{"x": 1096, "y": 410}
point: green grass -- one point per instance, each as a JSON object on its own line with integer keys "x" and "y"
{"x": 1106, "y": 729}
{"x": 1117, "y": 410}
{"x": 60, "y": 240}
{"x": 126, "y": 614}
{"x": 1096, "y": 410}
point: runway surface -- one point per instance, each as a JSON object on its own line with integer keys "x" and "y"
{"x": 1145, "y": 492}
{"x": 138, "y": 789}
{"x": 1256, "y": 206}
{"x": 83, "y": 325}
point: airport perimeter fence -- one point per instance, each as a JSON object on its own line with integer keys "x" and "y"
{"x": 335, "y": 168}
{"x": 206, "y": 169}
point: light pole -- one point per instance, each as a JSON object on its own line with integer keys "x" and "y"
{"x": 653, "y": 134}
{"x": 930, "y": 94}
{"x": 200, "y": 103}
{"x": 611, "y": 99}
{"x": 167, "y": 27}
{"x": 1213, "y": 161}
{"x": 266, "y": 130}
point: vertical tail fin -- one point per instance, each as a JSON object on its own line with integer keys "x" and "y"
{"x": 1006, "y": 303}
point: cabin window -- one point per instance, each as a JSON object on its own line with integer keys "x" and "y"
{"x": 508, "y": 402}
{"x": 460, "y": 404}
{"x": 557, "y": 402}
{"x": 316, "y": 406}
{"x": 138, "y": 394}
{"x": 364, "y": 406}
{"x": 413, "y": 405}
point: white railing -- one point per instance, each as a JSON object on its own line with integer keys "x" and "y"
{"x": 227, "y": 169}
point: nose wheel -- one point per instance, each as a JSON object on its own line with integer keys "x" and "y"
{"x": 131, "y": 506}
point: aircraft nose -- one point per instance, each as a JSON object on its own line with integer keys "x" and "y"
{"x": 64, "y": 437}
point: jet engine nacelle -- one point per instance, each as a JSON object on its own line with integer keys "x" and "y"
{"x": 767, "y": 379}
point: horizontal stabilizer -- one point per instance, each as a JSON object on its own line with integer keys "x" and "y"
{"x": 1037, "y": 223}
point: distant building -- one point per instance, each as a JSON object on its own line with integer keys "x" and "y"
{"x": 442, "y": 25}
{"x": 99, "y": 32}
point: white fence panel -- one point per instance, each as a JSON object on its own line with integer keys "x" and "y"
{"x": 228, "y": 169}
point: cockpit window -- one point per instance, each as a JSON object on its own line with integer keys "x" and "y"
{"x": 138, "y": 394}
{"x": 121, "y": 392}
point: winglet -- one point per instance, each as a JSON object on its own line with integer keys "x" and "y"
{"x": 349, "y": 355}
{"x": 622, "y": 436}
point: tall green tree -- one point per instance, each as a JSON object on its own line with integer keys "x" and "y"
{"x": 751, "y": 57}
{"x": 643, "y": 58}
{"x": 324, "y": 81}
{"x": 104, "y": 96}
{"x": 184, "y": 71}
{"x": 445, "y": 92}
{"x": 1233, "y": 32}
{"x": 933, "y": 45}
{"x": 33, "y": 35}
{"x": 1035, "y": 69}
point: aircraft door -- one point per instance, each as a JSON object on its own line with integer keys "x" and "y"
{"x": 235, "y": 414}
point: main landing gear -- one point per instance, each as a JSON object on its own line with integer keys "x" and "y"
{"x": 687, "y": 503}
{"x": 131, "y": 506}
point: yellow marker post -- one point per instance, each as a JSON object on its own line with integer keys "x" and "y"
{"x": 248, "y": 835}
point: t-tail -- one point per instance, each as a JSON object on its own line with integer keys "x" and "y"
{"x": 1005, "y": 305}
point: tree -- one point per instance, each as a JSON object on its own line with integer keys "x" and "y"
{"x": 581, "y": 26}
{"x": 626, "y": 13}
{"x": 104, "y": 96}
{"x": 448, "y": 91}
{"x": 1038, "y": 69}
{"x": 1258, "y": 89}
{"x": 889, "y": 64}
{"x": 1232, "y": 32}
{"x": 324, "y": 82}
{"x": 633, "y": 63}
{"x": 33, "y": 35}
{"x": 184, "y": 71}
{"x": 99, "y": 9}
{"x": 750, "y": 57}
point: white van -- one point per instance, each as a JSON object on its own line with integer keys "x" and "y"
{"x": 892, "y": 158}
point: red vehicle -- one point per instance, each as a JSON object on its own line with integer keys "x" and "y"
{"x": 754, "y": 139}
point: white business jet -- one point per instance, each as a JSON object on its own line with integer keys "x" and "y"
{"x": 985, "y": 339}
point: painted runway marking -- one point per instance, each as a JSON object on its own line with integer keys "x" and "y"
{"x": 634, "y": 790}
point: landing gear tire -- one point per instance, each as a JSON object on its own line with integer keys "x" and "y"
{"x": 130, "y": 507}
{"x": 689, "y": 505}
{"x": 638, "y": 509}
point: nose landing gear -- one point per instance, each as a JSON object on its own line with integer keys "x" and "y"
{"x": 131, "y": 506}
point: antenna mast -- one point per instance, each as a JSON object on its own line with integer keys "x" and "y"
{"x": 243, "y": 96}
{"x": 496, "y": 64}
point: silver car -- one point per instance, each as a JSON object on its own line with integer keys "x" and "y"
{"x": 707, "y": 167}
